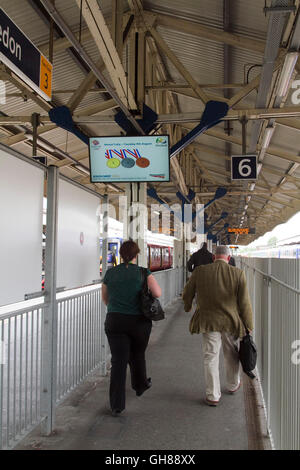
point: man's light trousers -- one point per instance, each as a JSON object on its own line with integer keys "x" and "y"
{"x": 211, "y": 345}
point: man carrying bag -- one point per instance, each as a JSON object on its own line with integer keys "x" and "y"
{"x": 222, "y": 315}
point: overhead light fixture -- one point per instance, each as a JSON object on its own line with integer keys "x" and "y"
{"x": 40, "y": 142}
{"x": 293, "y": 168}
{"x": 83, "y": 169}
{"x": 252, "y": 186}
{"x": 286, "y": 73}
{"x": 267, "y": 137}
{"x": 282, "y": 180}
{"x": 114, "y": 188}
{"x": 259, "y": 167}
{"x": 246, "y": 207}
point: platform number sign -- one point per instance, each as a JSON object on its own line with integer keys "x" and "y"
{"x": 243, "y": 167}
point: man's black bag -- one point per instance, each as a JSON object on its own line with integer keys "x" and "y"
{"x": 150, "y": 306}
{"x": 248, "y": 354}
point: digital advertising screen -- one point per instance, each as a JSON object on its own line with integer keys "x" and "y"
{"x": 129, "y": 159}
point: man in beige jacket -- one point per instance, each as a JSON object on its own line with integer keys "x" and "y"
{"x": 223, "y": 311}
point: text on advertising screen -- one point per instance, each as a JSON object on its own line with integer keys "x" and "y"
{"x": 129, "y": 159}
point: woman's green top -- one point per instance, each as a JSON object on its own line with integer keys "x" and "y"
{"x": 124, "y": 283}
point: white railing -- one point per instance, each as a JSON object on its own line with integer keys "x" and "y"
{"x": 20, "y": 333}
{"x": 274, "y": 288}
{"x": 80, "y": 348}
{"x": 171, "y": 283}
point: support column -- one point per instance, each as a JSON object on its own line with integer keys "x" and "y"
{"x": 104, "y": 236}
{"x": 136, "y": 218}
{"x": 117, "y": 25}
{"x": 49, "y": 321}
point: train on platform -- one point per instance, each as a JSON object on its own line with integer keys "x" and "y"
{"x": 283, "y": 251}
{"x": 160, "y": 247}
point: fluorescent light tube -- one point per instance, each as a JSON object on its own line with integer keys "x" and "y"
{"x": 293, "y": 168}
{"x": 81, "y": 168}
{"x": 259, "y": 167}
{"x": 267, "y": 137}
{"x": 252, "y": 186}
{"x": 286, "y": 73}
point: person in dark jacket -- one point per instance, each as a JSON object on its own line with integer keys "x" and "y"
{"x": 202, "y": 256}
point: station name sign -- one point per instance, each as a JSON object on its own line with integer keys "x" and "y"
{"x": 23, "y": 58}
{"x": 241, "y": 231}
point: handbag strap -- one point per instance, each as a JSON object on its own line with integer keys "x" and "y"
{"x": 144, "y": 279}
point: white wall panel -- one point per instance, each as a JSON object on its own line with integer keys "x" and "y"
{"x": 78, "y": 245}
{"x": 21, "y": 225}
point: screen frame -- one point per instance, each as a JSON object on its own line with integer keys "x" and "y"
{"x": 130, "y": 181}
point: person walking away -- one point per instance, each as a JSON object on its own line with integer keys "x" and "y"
{"x": 200, "y": 257}
{"x": 126, "y": 328}
{"x": 223, "y": 312}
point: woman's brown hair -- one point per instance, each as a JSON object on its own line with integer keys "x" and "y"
{"x": 129, "y": 250}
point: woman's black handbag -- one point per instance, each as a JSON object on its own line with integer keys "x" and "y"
{"x": 248, "y": 354}
{"x": 150, "y": 306}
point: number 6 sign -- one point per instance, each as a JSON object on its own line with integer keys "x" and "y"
{"x": 243, "y": 167}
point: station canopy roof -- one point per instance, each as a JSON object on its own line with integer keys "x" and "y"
{"x": 175, "y": 56}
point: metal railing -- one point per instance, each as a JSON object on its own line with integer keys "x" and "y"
{"x": 80, "y": 348}
{"x": 171, "y": 283}
{"x": 274, "y": 288}
{"x": 20, "y": 373}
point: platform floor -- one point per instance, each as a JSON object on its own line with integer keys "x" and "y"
{"x": 172, "y": 415}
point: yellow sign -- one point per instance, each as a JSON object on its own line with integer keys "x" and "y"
{"x": 46, "y": 69}
{"x": 239, "y": 230}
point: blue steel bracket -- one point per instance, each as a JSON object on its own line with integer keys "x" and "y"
{"x": 62, "y": 117}
{"x": 222, "y": 216}
{"x": 213, "y": 113}
{"x": 151, "y": 192}
{"x": 147, "y": 123}
{"x": 220, "y": 192}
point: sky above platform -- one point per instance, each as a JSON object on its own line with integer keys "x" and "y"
{"x": 281, "y": 232}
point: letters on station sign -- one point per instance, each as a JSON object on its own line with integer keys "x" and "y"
{"x": 239, "y": 230}
{"x": 243, "y": 167}
{"x": 23, "y": 58}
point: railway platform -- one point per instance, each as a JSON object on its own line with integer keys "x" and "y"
{"x": 171, "y": 124}
{"x": 172, "y": 415}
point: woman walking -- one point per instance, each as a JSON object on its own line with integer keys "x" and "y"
{"x": 126, "y": 328}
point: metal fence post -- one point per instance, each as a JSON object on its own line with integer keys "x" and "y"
{"x": 103, "y": 340}
{"x": 49, "y": 321}
{"x": 269, "y": 333}
{"x": 254, "y": 304}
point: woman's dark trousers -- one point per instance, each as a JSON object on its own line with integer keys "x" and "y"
{"x": 128, "y": 337}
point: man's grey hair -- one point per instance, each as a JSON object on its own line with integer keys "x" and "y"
{"x": 222, "y": 250}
